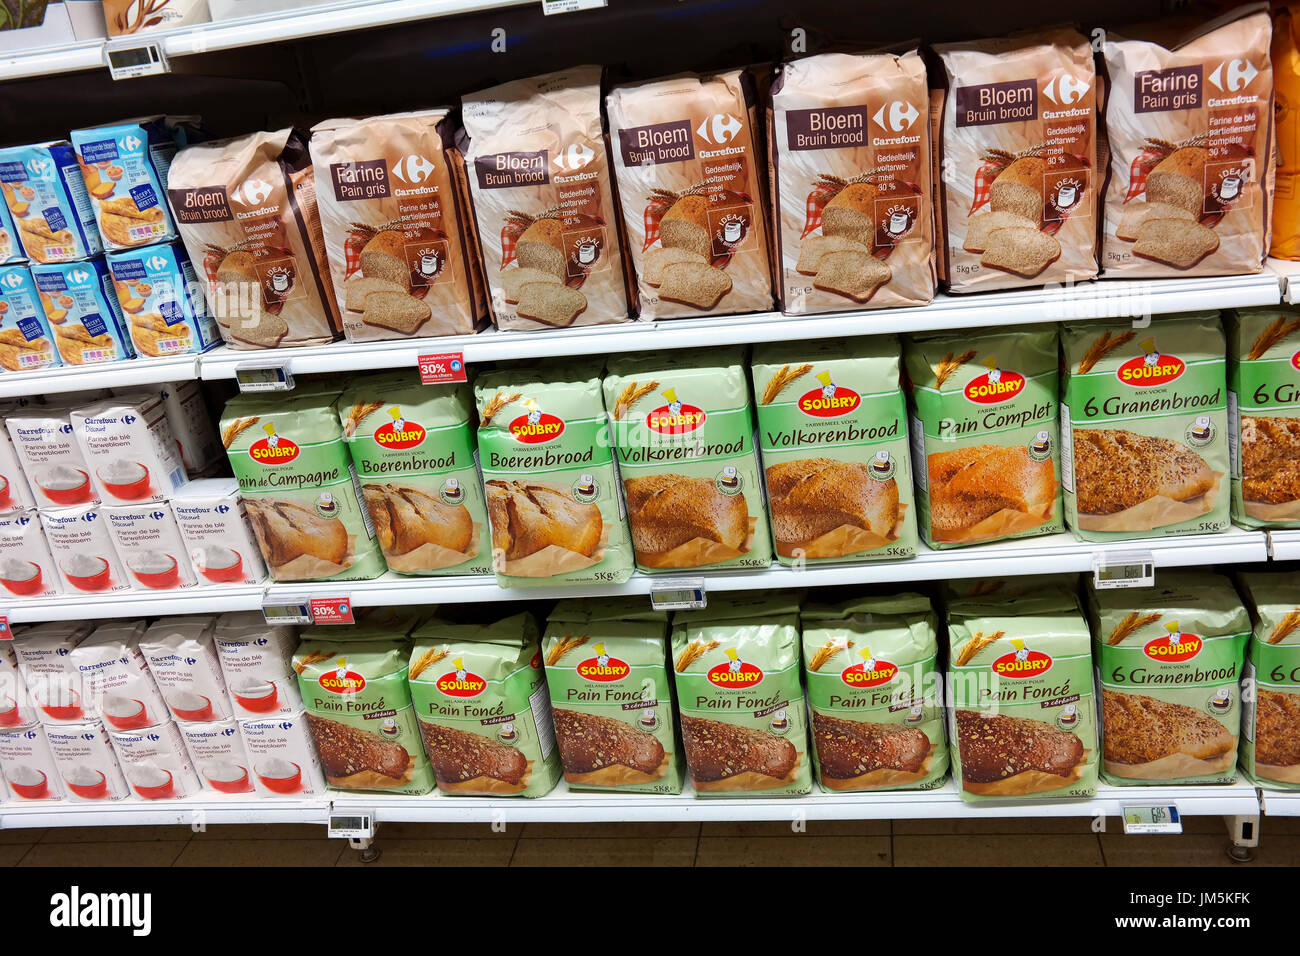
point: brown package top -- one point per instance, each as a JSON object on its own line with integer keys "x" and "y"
{"x": 539, "y": 173}
{"x": 246, "y": 210}
{"x": 851, "y": 166}
{"x": 1191, "y": 141}
{"x": 399, "y": 255}
{"x": 687, "y": 155}
{"x": 1018, "y": 150}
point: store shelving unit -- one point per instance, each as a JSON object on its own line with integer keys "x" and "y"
{"x": 1284, "y": 545}
{"x": 1278, "y": 803}
{"x": 68, "y": 378}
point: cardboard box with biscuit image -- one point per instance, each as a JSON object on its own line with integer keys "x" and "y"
{"x": 1189, "y": 120}
{"x": 832, "y": 427}
{"x": 984, "y": 434}
{"x": 1018, "y": 154}
{"x": 299, "y": 486}
{"x": 1023, "y": 719}
{"x": 740, "y": 698}
{"x": 1144, "y": 428}
{"x": 162, "y": 305}
{"x": 1169, "y": 663}
{"x": 26, "y": 342}
{"x": 612, "y": 696}
{"x": 1270, "y": 721}
{"x": 854, "y": 208}
{"x": 10, "y": 249}
{"x": 874, "y": 692}
{"x": 397, "y": 225}
{"x": 83, "y": 312}
{"x": 47, "y": 199}
{"x": 124, "y": 167}
{"x": 683, "y": 431}
{"x": 539, "y": 171}
{"x": 553, "y": 501}
{"x": 413, "y": 449}
{"x": 480, "y": 699}
{"x": 359, "y": 711}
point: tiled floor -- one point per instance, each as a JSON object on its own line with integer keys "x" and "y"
{"x": 1043, "y": 842}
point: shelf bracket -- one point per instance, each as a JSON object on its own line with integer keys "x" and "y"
{"x": 198, "y": 821}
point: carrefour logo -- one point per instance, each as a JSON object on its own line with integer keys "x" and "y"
{"x": 1065, "y": 89}
{"x": 719, "y": 128}
{"x": 896, "y": 116}
{"x": 413, "y": 169}
{"x": 1233, "y": 75}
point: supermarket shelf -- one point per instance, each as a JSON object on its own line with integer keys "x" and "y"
{"x": 1289, "y": 274}
{"x": 68, "y": 378}
{"x": 1284, "y": 545}
{"x": 206, "y": 600}
{"x": 1276, "y": 803}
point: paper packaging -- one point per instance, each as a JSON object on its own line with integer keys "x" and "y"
{"x": 50, "y": 457}
{"x": 162, "y": 302}
{"x": 15, "y": 491}
{"x": 83, "y": 550}
{"x": 218, "y": 538}
{"x": 83, "y": 312}
{"x": 15, "y": 704}
{"x": 53, "y": 689}
{"x": 124, "y": 167}
{"x": 150, "y": 545}
{"x": 284, "y": 760}
{"x": 183, "y": 661}
{"x": 26, "y": 342}
{"x": 124, "y": 17}
{"x": 1270, "y": 755}
{"x": 129, "y": 447}
{"x": 26, "y": 567}
{"x": 217, "y": 755}
{"x": 156, "y": 764}
{"x": 257, "y": 662}
{"x": 10, "y": 250}
{"x": 28, "y": 766}
{"x": 187, "y": 414}
{"x": 86, "y": 762}
{"x": 47, "y": 198}
{"x": 115, "y": 679}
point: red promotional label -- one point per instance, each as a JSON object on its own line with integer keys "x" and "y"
{"x": 1182, "y": 648}
{"x": 1033, "y": 664}
{"x": 1145, "y": 371}
{"x": 1295, "y": 361}
{"x": 6, "y": 634}
{"x": 461, "y": 684}
{"x": 273, "y": 450}
{"x": 331, "y": 611}
{"x": 403, "y": 435}
{"x": 669, "y": 421}
{"x": 342, "y": 681}
{"x": 858, "y": 675}
{"x": 439, "y": 368}
{"x": 612, "y": 669}
{"x": 994, "y": 387}
{"x": 829, "y": 402}
{"x": 735, "y": 674}
{"x": 536, "y": 428}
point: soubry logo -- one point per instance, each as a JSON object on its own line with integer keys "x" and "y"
{"x": 896, "y": 116}
{"x": 460, "y": 682}
{"x": 602, "y": 667}
{"x": 830, "y": 400}
{"x": 75, "y": 909}
{"x": 675, "y": 418}
{"x": 1295, "y": 361}
{"x": 994, "y": 386}
{"x": 719, "y": 128}
{"x": 399, "y": 433}
{"x": 868, "y": 672}
{"x": 733, "y": 672}
{"x": 536, "y": 426}
{"x": 1150, "y": 368}
{"x": 273, "y": 449}
{"x": 342, "y": 680}
{"x": 1022, "y": 663}
{"x": 1175, "y": 648}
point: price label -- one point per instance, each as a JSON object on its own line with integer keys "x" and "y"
{"x": 1152, "y": 820}
{"x": 287, "y": 612}
{"x": 263, "y": 377}
{"x": 332, "y": 611}
{"x": 353, "y": 825}
{"x": 6, "y": 632}
{"x": 678, "y": 594}
{"x": 136, "y": 58}
{"x": 550, "y": 7}
{"x": 442, "y": 367}
{"x": 1129, "y": 569}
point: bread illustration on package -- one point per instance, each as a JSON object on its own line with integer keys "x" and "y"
{"x": 850, "y": 150}
{"x": 984, "y": 434}
{"x": 832, "y": 427}
{"x": 1018, "y": 154}
{"x": 875, "y": 693}
{"x": 740, "y": 699}
{"x": 551, "y": 484}
{"x": 124, "y": 168}
{"x": 1144, "y": 428}
{"x": 299, "y": 486}
{"x": 398, "y": 231}
{"x": 1023, "y": 720}
{"x": 540, "y": 175}
{"x": 611, "y": 694}
{"x": 690, "y": 170}
{"x": 1270, "y": 722}
{"x": 26, "y": 341}
{"x": 1169, "y": 660}
{"x": 162, "y": 307}
{"x": 683, "y": 432}
{"x": 480, "y": 698}
{"x": 1264, "y": 410}
{"x": 82, "y": 310}
{"x": 413, "y": 449}
{"x": 1189, "y": 118}
{"x": 246, "y": 209}
{"x": 47, "y": 199}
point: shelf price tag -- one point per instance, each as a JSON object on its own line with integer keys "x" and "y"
{"x": 331, "y": 610}
{"x": 441, "y": 367}
{"x": 678, "y": 594}
{"x": 287, "y": 611}
{"x": 570, "y": 6}
{"x": 6, "y": 632}
{"x": 351, "y": 825}
{"x": 135, "y": 58}
{"x": 1152, "y": 820}
{"x": 1123, "y": 569}
{"x": 263, "y": 377}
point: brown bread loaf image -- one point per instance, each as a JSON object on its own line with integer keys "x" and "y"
{"x": 686, "y": 226}
{"x": 968, "y": 485}
{"x": 358, "y": 291}
{"x": 1018, "y": 189}
{"x": 540, "y": 247}
{"x": 396, "y": 311}
{"x": 1020, "y": 250}
{"x": 657, "y": 260}
{"x": 528, "y": 516}
{"x": 1135, "y": 214}
{"x": 345, "y": 750}
{"x": 406, "y": 518}
{"x": 1270, "y": 459}
{"x": 993, "y": 747}
{"x": 850, "y": 748}
{"x": 716, "y": 751}
{"x": 590, "y": 742}
{"x": 384, "y": 257}
{"x": 287, "y": 531}
{"x": 1141, "y": 729}
{"x": 1277, "y": 729}
{"x": 812, "y": 249}
{"x": 458, "y": 755}
{"x": 854, "y": 275}
{"x": 553, "y": 305}
{"x": 1175, "y": 242}
{"x": 981, "y": 227}
{"x": 1116, "y": 469}
{"x": 667, "y": 510}
{"x": 694, "y": 283}
{"x": 812, "y": 496}
{"x": 851, "y": 214}
{"x": 1179, "y": 179}
{"x": 514, "y": 281}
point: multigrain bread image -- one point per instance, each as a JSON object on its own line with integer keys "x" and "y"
{"x": 1021, "y": 250}
{"x": 716, "y": 751}
{"x": 994, "y": 747}
{"x": 406, "y": 518}
{"x": 287, "y": 531}
{"x": 666, "y": 510}
{"x": 529, "y": 516}
{"x": 1277, "y": 729}
{"x": 850, "y": 748}
{"x": 1019, "y": 189}
{"x": 659, "y": 259}
{"x": 1116, "y": 469}
{"x": 1135, "y": 214}
{"x": 1138, "y": 730}
{"x": 694, "y": 283}
{"x": 968, "y": 485}
{"x": 1179, "y": 179}
{"x": 540, "y": 247}
{"x": 589, "y": 742}
{"x": 458, "y": 756}
{"x": 854, "y": 275}
{"x": 812, "y": 496}
{"x": 1270, "y": 459}
{"x": 1175, "y": 242}
{"x": 813, "y": 248}
{"x": 345, "y": 750}
{"x": 686, "y": 226}
{"x": 980, "y": 227}
{"x": 513, "y": 281}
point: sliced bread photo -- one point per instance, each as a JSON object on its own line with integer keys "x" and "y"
{"x": 1019, "y": 189}
{"x": 359, "y": 289}
{"x": 657, "y": 260}
{"x": 513, "y": 280}
{"x": 396, "y": 311}
{"x": 384, "y": 257}
{"x": 541, "y": 247}
{"x": 1021, "y": 250}
{"x": 694, "y": 283}
{"x": 851, "y": 213}
{"x": 1175, "y": 242}
{"x": 856, "y": 275}
{"x": 555, "y": 305}
{"x": 979, "y": 227}
{"x": 263, "y": 330}
{"x": 1138, "y": 213}
{"x": 686, "y": 225}
{"x": 813, "y": 248}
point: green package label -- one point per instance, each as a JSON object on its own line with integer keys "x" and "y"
{"x": 1144, "y": 428}
{"x": 684, "y": 437}
{"x": 480, "y": 696}
{"x": 984, "y": 434}
{"x": 1270, "y": 726}
{"x": 832, "y": 428}
{"x": 300, "y": 488}
{"x": 414, "y": 454}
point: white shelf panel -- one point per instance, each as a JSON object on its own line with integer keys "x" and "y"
{"x": 1289, "y": 273}
{"x": 1278, "y": 803}
{"x": 68, "y": 378}
{"x": 205, "y": 600}
{"x": 1284, "y": 545}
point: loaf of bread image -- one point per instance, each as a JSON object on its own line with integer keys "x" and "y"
{"x": 346, "y": 751}
{"x": 851, "y": 213}
{"x": 666, "y": 511}
{"x": 541, "y": 247}
{"x": 969, "y": 485}
{"x": 994, "y": 747}
{"x": 659, "y": 259}
{"x": 716, "y": 752}
{"x": 527, "y": 516}
{"x": 1175, "y": 242}
{"x": 406, "y": 518}
{"x": 1116, "y": 469}
{"x": 813, "y": 248}
{"x": 553, "y": 305}
{"x": 459, "y": 756}
{"x": 239, "y": 267}
{"x": 384, "y": 257}
{"x": 694, "y": 283}
{"x": 359, "y": 289}
{"x": 1179, "y": 179}
{"x": 1019, "y": 189}
{"x": 811, "y": 497}
{"x": 1270, "y": 459}
{"x": 513, "y": 281}
{"x": 287, "y": 531}
{"x": 1135, "y": 214}
{"x": 979, "y": 228}
{"x": 590, "y": 743}
{"x": 854, "y": 275}
{"x": 1020, "y": 250}
{"x": 1277, "y": 729}
{"x": 850, "y": 748}
{"x": 396, "y": 311}
{"x": 1137, "y": 730}
{"x": 686, "y": 226}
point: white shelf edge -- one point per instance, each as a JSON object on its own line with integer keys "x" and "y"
{"x": 1284, "y": 544}
{"x": 1289, "y": 274}
{"x": 1280, "y": 803}
{"x": 67, "y": 378}
{"x": 197, "y": 600}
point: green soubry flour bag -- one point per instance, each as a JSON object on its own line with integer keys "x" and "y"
{"x": 744, "y": 725}
{"x": 1065, "y": 586}
{"x": 984, "y": 434}
{"x": 414, "y": 453}
{"x": 832, "y": 427}
{"x": 1169, "y": 661}
{"x": 1264, "y": 415}
{"x": 1270, "y": 725}
{"x": 684, "y": 437}
{"x": 1144, "y": 428}
{"x": 353, "y": 684}
{"x": 299, "y": 486}
{"x": 611, "y": 694}
{"x": 552, "y": 488}
{"x": 1023, "y": 719}
{"x": 876, "y": 693}
{"x": 480, "y": 694}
